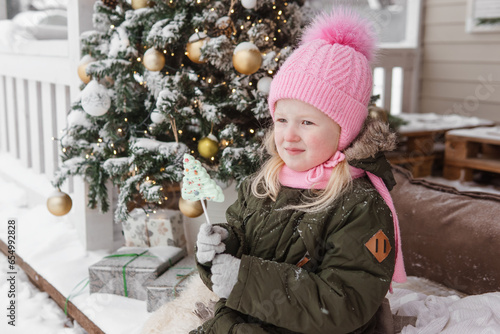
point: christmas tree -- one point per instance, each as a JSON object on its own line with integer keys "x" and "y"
{"x": 167, "y": 77}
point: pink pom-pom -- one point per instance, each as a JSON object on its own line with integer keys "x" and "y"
{"x": 346, "y": 27}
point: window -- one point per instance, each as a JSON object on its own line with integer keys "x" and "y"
{"x": 397, "y": 21}
{"x": 483, "y": 16}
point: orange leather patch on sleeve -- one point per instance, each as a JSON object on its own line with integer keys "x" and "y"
{"x": 302, "y": 262}
{"x": 379, "y": 246}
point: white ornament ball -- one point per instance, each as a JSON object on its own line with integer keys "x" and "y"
{"x": 249, "y": 4}
{"x": 157, "y": 117}
{"x": 95, "y": 99}
{"x": 264, "y": 85}
{"x": 153, "y": 60}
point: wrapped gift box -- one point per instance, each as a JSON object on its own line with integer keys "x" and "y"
{"x": 128, "y": 271}
{"x": 168, "y": 285}
{"x": 163, "y": 228}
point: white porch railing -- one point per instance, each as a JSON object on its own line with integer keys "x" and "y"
{"x": 37, "y": 86}
{"x": 36, "y": 90}
{"x": 396, "y": 79}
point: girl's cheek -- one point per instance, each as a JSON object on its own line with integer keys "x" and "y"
{"x": 323, "y": 143}
{"x": 317, "y": 139}
{"x": 277, "y": 135}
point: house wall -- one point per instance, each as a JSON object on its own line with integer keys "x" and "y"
{"x": 460, "y": 71}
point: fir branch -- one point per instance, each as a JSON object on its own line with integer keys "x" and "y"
{"x": 96, "y": 178}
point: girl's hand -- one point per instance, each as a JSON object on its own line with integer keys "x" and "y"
{"x": 209, "y": 242}
{"x": 225, "y": 270}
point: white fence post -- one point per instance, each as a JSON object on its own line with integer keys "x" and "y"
{"x": 94, "y": 228}
{"x": 22, "y": 119}
{"x": 11, "y": 116}
{"x": 79, "y": 20}
{"x": 36, "y": 129}
{"x": 62, "y": 106}
{"x": 49, "y": 128}
{"x": 3, "y": 116}
{"x": 387, "y": 88}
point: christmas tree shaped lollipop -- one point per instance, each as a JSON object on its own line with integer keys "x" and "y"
{"x": 197, "y": 184}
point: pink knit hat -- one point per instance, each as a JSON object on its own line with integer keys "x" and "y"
{"x": 330, "y": 70}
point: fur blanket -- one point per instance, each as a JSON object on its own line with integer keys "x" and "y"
{"x": 439, "y": 310}
{"x": 192, "y": 308}
{"x": 479, "y": 314}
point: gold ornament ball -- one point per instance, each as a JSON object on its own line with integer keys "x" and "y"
{"x": 191, "y": 209}
{"x": 82, "y": 74}
{"x": 208, "y": 147}
{"x": 153, "y": 60}
{"x": 59, "y": 203}
{"x": 137, "y": 4}
{"x": 194, "y": 51}
{"x": 82, "y": 66}
{"x": 247, "y": 61}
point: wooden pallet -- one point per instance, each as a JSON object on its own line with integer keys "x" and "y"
{"x": 420, "y": 165}
{"x": 469, "y": 150}
{"x": 415, "y": 153}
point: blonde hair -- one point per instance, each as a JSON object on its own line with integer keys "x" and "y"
{"x": 266, "y": 182}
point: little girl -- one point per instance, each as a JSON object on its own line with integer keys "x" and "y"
{"x": 312, "y": 243}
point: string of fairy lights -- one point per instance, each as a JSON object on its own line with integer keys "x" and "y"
{"x": 154, "y": 60}
{"x": 209, "y": 80}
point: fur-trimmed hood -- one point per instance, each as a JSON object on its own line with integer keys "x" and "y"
{"x": 367, "y": 150}
{"x": 374, "y": 137}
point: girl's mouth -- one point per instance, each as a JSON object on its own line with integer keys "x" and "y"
{"x": 293, "y": 151}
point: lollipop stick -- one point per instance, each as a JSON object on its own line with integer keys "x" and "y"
{"x": 205, "y": 211}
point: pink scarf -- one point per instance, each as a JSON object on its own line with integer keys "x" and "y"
{"x": 317, "y": 178}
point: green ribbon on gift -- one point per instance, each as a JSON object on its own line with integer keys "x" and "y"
{"x": 76, "y": 294}
{"x": 135, "y": 256}
{"x": 182, "y": 277}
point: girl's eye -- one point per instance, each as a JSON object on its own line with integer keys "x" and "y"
{"x": 307, "y": 123}
{"x": 280, "y": 120}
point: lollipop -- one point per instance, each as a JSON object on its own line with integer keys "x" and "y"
{"x": 197, "y": 184}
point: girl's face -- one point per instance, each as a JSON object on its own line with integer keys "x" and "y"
{"x": 305, "y": 137}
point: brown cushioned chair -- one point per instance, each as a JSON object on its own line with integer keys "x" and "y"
{"x": 449, "y": 236}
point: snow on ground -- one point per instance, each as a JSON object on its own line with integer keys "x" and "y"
{"x": 437, "y": 122}
{"x": 37, "y": 312}
{"x": 51, "y": 246}
{"x": 490, "y": 133}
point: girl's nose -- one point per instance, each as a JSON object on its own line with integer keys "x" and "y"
{"x": 291, "y": 134}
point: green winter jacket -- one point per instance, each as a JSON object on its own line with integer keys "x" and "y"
{"x": 338, "y": 291}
